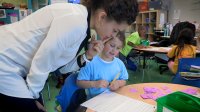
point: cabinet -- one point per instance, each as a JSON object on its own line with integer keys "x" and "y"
{"x": 149, "y": 19}
{"x": 10, "y": 15}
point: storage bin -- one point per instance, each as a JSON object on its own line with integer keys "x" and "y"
{"x": 178, "y": 102}
{"x": 143, "y": 6}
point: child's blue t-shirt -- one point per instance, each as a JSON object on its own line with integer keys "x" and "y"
{"x": 99, "y": 69}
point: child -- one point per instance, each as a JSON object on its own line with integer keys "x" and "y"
{"x": 134, "y": 40}
{"x": 95, "y": 76}
{"x": 183, "y": 48}
{"x": 99, "y": 74}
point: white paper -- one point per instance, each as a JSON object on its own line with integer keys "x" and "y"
{"x": 13, "y": 19}
{"x": 162, "y": 19}
{"x": 177, "y": 14}
{"x": 2, "y": 13}
{"x": 113, "y": 102}
{"x": 22, "y": 14}
{"x": 167, "y": 110}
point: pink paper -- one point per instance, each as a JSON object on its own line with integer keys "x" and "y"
{"x": 168, "y": 91}
{"x": 154, "y": 92}
{"x": 191, "y": 91}
{"x": 133, "y": 90}
{"x": 150, "y": 89}
{"x": 154, "y": 97}
{"x": 146, "y": 96}
{"x": 165, "y": 87}
{"x": 160, "y": 95}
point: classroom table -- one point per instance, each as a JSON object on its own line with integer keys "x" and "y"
{"x": 152, "y": 49}
{"x": 139, "y": 87}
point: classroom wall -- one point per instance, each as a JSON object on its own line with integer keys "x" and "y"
{"x": 189, "y": 10}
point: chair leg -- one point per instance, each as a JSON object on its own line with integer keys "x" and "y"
{"x": 143, "y": 75}
{"x": 42, "y": 99}
{"x": 163, "y": 68}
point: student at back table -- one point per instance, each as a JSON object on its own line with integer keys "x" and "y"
{"x": 183, "y": 48}
{"x": 134, "y": 40}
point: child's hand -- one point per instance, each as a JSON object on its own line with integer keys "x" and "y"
{"x": 101, "y": 84}
{"x": 95, "y": 47}
{"x": 114, "y": 85}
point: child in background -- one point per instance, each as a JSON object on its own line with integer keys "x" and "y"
{"x": 134, "y": 40}
{"x": 99, "y": 75}
{"x": 183, "y": 48}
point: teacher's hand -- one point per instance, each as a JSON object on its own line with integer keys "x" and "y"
{"x": 95, "y": 47}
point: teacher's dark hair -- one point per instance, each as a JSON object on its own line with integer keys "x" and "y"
{"x": 118, "y": 10}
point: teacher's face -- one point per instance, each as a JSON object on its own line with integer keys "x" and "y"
{"x": 110, "y": 29}
{"x": 106, "y": 28}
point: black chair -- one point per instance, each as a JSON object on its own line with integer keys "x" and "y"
{"x": 163, "y": 67}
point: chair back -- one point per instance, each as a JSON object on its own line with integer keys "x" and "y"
{"x": 67, "y": 91}
{"x": 183, "y": 65}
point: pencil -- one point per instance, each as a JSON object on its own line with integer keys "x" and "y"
{"x": 116, "y": 77}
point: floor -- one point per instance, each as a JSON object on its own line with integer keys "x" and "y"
{"x": 151, "y": 74}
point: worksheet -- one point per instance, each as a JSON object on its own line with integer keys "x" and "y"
{"x": 114, "y": 102}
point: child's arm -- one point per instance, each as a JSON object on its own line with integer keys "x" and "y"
{"x": 117, "y": 84}
{"x": 92, "y": 84}
{"x": 134, "y": 45}
{"x": 171, "y": 52}
{"x": 131, "y": 44}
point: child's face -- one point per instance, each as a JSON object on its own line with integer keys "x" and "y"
{"x": 111, "y": 49}
{"x": 142, "y": 33}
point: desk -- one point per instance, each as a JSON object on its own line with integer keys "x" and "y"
{"x": 151, "y": 49}
{"x": 139, "y": 87}
{"x": 154, "y": 49}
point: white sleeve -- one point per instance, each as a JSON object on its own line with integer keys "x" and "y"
{"x": 70, "y": 67}
{"x": 60, "y": 45}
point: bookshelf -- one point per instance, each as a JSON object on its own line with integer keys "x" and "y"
{"x": 149, "y": 19}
